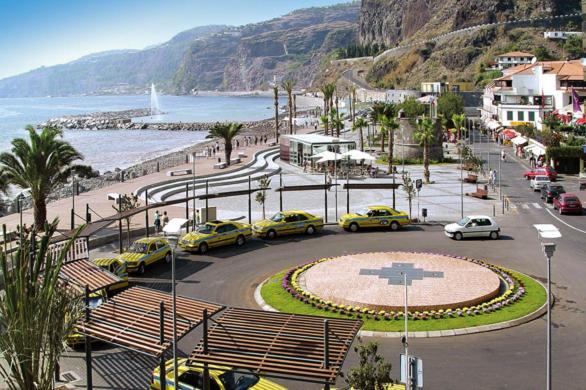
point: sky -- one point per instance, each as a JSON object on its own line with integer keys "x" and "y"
{"x": 49, "y": 32}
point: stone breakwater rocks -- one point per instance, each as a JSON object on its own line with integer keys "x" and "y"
{"x": 122, "y": 120}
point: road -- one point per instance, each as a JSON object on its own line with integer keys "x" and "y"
{"x": 508, "y": 359}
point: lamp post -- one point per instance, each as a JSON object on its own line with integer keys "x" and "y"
{"x": 547, "y": 231}
{"x": 406, "y": 336}
{"x": 461, "y": 182}
{"x": 403, "y": 149}
{"x": 193, "y": 190}
{"x": 173, "y": 238}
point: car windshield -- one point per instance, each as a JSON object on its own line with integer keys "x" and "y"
{"x": 206, "y": 229}
{"x": 238, "y": 381}
{"x": 277, "y": 217}
{"x": 95, "y": 302}
{"x": 138, "y": 247}
{"x": 571, "y": 199}
{"x": 556, "y": 188}
{"x": 464, "y": 221}
{"x": 362, "y": 212}
{"x": 541, "y": 178}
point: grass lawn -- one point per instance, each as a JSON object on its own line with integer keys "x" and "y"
{"x": 535, "y": 295}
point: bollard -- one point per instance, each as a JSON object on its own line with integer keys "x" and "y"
{"x": 494, "y": 210}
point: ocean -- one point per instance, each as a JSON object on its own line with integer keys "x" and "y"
{"x": 109, "y": 149}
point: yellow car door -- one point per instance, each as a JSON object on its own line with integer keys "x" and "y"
{"x": 215, "y": 237}
{"x": 371, "y": 219}
{"x": 151, "y": 254}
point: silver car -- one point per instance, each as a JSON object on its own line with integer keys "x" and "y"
{"x": 473, "y": 226}
{"x": 538, "y": 182}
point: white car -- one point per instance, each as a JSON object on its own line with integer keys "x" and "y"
{"x": 473, "y": 226}
{"x": 539, "y": 181}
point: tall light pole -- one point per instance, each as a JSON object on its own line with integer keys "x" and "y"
{"x": 173, "y": 239}
{"x": 461, "y": 182}
{"x": 193, "y": 190}
{"x": 406, "y": 336}
{"x": 548, "y": 231}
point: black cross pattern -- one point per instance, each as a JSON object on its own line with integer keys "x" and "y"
{"x": 395, "y": 273}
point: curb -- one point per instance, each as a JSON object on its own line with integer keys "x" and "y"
{"x": 433, "y": 333}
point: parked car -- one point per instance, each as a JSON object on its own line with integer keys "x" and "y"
{"x": 288, "y": 222}
{"x": 145, "y": 252}
{"x": 545, "y": 171}
{"x": 473, "y": 226}
{"x": 374, "y": 216}
{"x": 538, "y": 182}
{"x": 117, "y": 267}
{"x": 214, "y": 234}
{"x": 567, "y": 203}
{"x": 550, "y": 191}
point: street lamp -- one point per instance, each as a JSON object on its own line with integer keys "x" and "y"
{"x": 406, "y": 335}
{"x": 173, "y": 238}
{"x": 547, "y": 231}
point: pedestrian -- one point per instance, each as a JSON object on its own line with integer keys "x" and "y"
{"x": 237, "y": 144}
{"x": 503, "y": 155}
{"x": 165, "y": 219}
{"x": 157, "y": 221}
{"x": 255, "y": 140}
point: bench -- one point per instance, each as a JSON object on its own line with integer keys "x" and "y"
{"x": 235, "y": 160}
{"x": 179, "y": 172}
{"x": 480, "y": 194}
{"x": 220, "y": 165}
{"x": 472, "y": 179}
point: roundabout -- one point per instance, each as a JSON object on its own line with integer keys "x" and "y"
{"x": 444, "y": 292}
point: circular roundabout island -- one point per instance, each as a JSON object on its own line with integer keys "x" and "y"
{"x": 443, "y": 292}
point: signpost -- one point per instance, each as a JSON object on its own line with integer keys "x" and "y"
{"x": 418, "y": 186}
{"x": 415, "y": 368}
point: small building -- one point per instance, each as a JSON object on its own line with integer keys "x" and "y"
{"x": 460, "y": 86}
{"x": 296, "y": 149}
{"x": 514, "y": 58}
{"x": 397, "y": 96}
{"x": 560, "y": 34}
{"x": 433, "y": 88}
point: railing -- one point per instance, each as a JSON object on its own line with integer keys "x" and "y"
{"x": 79, "y": 250}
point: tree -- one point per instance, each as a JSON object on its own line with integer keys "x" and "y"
{"x": 573, "y": 47}
{"x": 325, "y": 121}
{"x": 458, "y": 120}
{"x": 127, "y": 203}
{"x": 409, "y": 189}
{"x": 328, "y": 91}
{"x": 38, "y": 310}
{"x": 264, "y": 183}
{"x": 360, "y": 124}
{"x": 449, "y": 104}
{"x": 226, "y": 132}
{"x": 352, "y": 92}
{"x": 288, "y": 85}
{"x": 425, "y": 135}
{"x": 42, "y": 164}
{"x": 375, "y": 113}
{"x": 389, "y": 125}
{"x": 412, "y": 108}
{"x": 373, "y": 372}
{"x": 276, "y": 96}
{"x": 336, "y": 121}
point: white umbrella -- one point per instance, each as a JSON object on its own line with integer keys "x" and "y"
{"x": 332, "y": 157}
{"x": 358, "y": 155}
{"x": 325, "y": 153}
{"x": 518, "y": 140}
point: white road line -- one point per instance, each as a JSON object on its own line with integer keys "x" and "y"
{"x": 565, "y": 223}
{"x": 525, "y": 206}
{"x": 536, "y": 205}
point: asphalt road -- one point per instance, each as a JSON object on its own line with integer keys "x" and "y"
{"x": 508, "y": 359}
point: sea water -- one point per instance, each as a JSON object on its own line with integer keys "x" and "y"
{"x": 109, "y": 149}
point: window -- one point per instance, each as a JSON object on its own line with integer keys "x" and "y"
{"x": 521, "y": 116}
{"x": 483, "y": 222}
{"x": 229, "y": 227}
{"x": 301, "y": 217}
{"x": 531, "y": 116}
{"x": 509, "y": 115}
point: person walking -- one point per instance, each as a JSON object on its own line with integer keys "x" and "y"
{"x": 157, "y": 221}
{"x": 503, "y": 156}
{"x": 165, "y": 219}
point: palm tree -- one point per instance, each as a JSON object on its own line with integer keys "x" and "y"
{"x": 425, "y": 135}
{"x": 375, "y": 112}
{"x": 226, "y": 132}
{"x": 352, "y": 92}
{"x": 42, "y": 164}
{"x": 458, "y": 120}
{"x": 276, "y": 96}
{"x": 325, "y": 121}
{"x": 336, "y": 121}
{"x": 359, "y": 125}
{"x": 288, "y": 85}
{"x": 328, "y": 91}
{"x": 38, "y": 310}
{"x": 389, "y": 125}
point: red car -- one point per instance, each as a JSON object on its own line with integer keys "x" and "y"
{"x": 567, "y": 203}
{"x": 545, "y": 171}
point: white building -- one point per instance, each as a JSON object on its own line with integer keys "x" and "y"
{"x": 560, "y": 34}
{"x": 514, "y": 58}
{"x": 400, "y": 95}
{"x": 529, "y": 92}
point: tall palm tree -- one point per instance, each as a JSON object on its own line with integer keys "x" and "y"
{"x": 42, "y": 164}
{"x": 336, "y": 121}
{"x": 389, "y": 125}
{"x": 352, "y": 92}
{"x": 328, "y": 91}
{"x": 360, "y": 124}
{"x": 459, "y": 120}
{"x": 227, "y": 132}
{"x": 288, "y": 86}
{"x": 425, "y": 135}
{"x": 276, "y": 96}
{"x": 325, "y": 121}
{"x": 376, "y": 111}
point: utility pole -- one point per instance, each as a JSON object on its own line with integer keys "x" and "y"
{"x": 406, "y": 337}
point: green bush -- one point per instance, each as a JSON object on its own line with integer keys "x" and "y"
{"x": 557, "y": 152}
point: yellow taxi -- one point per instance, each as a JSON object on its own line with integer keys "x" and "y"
{"x": 214, "y": 234}
{"x": 288, "y": 222}
{"x": 145, "y": 252}
{"x": 374, "y": 216}
{"x": 96, "y": 299}
{"x": 221, "y": 378}
{"x": 117, "y": 267}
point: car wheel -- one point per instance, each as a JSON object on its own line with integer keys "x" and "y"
{"x": 203, "y": 248}
{"x": 354, "y": 227}
{"x": 141, "y": 269}
{"x": 458, "y": 236}
{"x": 168, "y": 258}
{"x": 271, "y": 234}
{"x": 240, "y": 240}
{"x": 395, "y": 226}
{"x": 494, "y": 235}
{"x": 310, "y": 230}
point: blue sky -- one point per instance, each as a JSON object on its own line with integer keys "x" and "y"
{"x": 49, "y": 32}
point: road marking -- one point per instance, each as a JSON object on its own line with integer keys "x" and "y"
{"x": 525, "y": 206}
{"x": 565, "y": 223}
{"x": 536, "y": 205}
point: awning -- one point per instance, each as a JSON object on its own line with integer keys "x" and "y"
{"x": 330, "y": 157}
{"x": 493, "y": 125}
{"x": 176, "y": 226}
{"x": 509, "y": 133}
{"x": 534, "y": 149}
{"x": 518, "y": 140}
{"x": 358, "y": 155}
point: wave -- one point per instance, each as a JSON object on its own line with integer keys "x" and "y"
{"x": 4, "y": 113}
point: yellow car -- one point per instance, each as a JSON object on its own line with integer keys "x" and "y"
{"x": 374, "y": 216}
{"x": 288, "y": 222}
{"x": 117, "y": 267}
{"x": 96, "y": 299}
{"x": 145, "y": 252}
{"x": 221, "y": 378}
{"x": 214, "y": 234}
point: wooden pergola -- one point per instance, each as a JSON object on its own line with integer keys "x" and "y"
{"x": 280, "y": 345}
{"x": 140, "y": 319}
{"x": 85, "y": 274}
